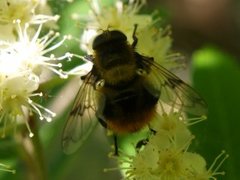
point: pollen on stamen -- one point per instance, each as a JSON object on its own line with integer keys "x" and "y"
{"x": 48, "y": 119}
{"x": 30, "y": 101}
{"x": 29, "y": 129}
{"x": 52, "y": 57}
{"x": 41, "y": 18}
{"x": 31, "y": 135}
{"x": 37, "y": 108}
{"x": 68, "y": 37}
{"x": 56, "y": 17}
{"x": 69, "y": 56}
{"x": 192, "y": 121}
{"x": 217, "y": 163}
{"x": 40, "y": 94}
{"x": 17, "y": 21}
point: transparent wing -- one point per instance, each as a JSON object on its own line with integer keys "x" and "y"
{"x": 172, "y": 90}
{"x": 81, "y": 120}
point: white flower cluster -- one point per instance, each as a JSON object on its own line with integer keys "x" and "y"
{"x": 24, "y": 55}
{"x": 152, "y": 41}
{"x": 166, "y": 155}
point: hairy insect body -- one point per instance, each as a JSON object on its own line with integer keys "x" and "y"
{"x": 123, "y": 90}
{"x": 128, "y": 105}
{"x": 128, "y": 109}
{"x": 115, "y": 61}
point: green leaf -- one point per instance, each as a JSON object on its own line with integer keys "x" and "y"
{"x": 217, "y": 77}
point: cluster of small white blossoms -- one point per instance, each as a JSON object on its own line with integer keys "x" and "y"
{"x": 24, "y": 57}
{"x": 165, "y": 155}
{"x": 152, "y": 41}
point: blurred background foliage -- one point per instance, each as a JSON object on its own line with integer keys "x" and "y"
{"x": 207, "y": 33}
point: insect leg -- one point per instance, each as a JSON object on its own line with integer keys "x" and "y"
{"x": 115, "y": 145}
{"x": 102, "y": 122}
{"x": 100, "y": 110}
{"x": 152, "y": 131}
{"x": 89, "y": 58}
{"x": 141, "y": 143}
{"x": 144, "y": 142}
{"x": 135, "y": 39}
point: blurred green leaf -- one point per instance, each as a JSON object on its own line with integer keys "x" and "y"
{"x": 217, "y": 76}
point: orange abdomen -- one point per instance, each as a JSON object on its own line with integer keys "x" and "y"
{"x": 130, "y": 109}
{"x": 131, "y": 123}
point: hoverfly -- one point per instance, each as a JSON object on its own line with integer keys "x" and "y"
{"x": 123, "y": 90}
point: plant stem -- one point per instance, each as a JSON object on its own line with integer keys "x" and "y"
{"x": 31, "y": 152}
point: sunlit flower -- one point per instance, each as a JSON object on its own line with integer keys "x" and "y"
{"x": 25, "y": 11}
{"x": 156, "y": 42}
{"x": 120, "y": 17}
{"x": 198, "y": 170}
{"x": 152, "y": 41}
{"x": 44, "y": 12}
{"x": 13, "y": 9}
{"x": 160, "y": 162}
{"x": 33, "y": 53}
{"x": 166, "y": 155}
{"x": 15, "y": 92}
{"x": 143, "y": 165}
{"x": 169, "y": 147}
{"x": 21, "y": 64}
{"x": 170, "y": 127}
